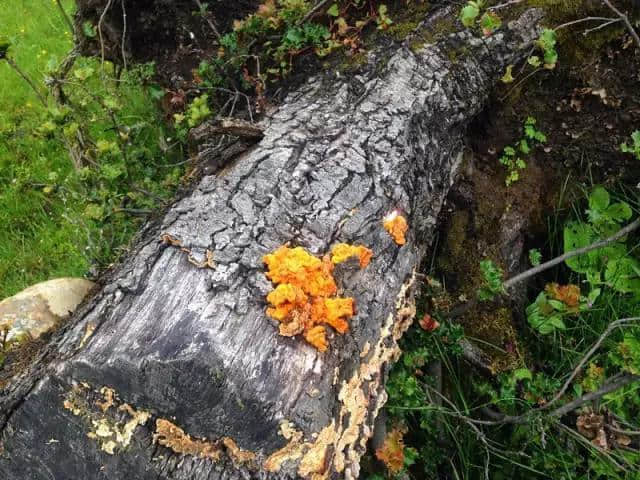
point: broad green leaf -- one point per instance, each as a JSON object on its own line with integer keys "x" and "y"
{"x": 468, "y": 14}
{"x": 546, "y": 328}
{"x": 94, "y": 211}
{"x": 88, "y": 29}
{"x": 490, "y": 22}
{"x": 558, "y": 305}
{"x": 522, "y": 374}
{"x": 557, "y": 322}
{"x": 547, "y": 39}
{"x": 334, "y": 10}
{"x": 577, "y": 235}
{"x": 619, "y": 212}
{"x": 550, "y": 59}
{"x": 507, "y": 77}
{"x": 593, "y": 295}
{"x": 622, "y": 274}
{"x": 599, "y": 199}
{"x": 534, "y": 61}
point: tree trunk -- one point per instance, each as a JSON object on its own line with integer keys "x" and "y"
{"x": 175, "y": 372}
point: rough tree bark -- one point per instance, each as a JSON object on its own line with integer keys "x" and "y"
{"x": 192, "y": 346}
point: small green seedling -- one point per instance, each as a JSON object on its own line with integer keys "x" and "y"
{"x": 634, "y": 147}
{"x": 547, "y": 43}
{"x": 489, "y": 21}
{"x": 492, "y": 276}
{"x": 535, "y": 257}
{"x": 512, "y": 156}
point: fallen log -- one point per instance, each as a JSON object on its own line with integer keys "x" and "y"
{"x": 175, "y": 371}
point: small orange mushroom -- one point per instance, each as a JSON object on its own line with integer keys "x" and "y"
{"x": 396, "y": 225}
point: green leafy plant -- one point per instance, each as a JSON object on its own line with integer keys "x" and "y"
{"x": 383, "y": 20}
{"x": 492, "y": 276}
{"x": 535, "y": 257}
{"x": 611, "y": 265}
{"x": 627, "y": 354}
{"x": 547, "y": 44}
{"x": 470, "y": 12}
{"x": 512, "y": 156}
{"x": 634, "y": 147}
{"x": 546, "y": 314}
{"x": 489, "y": 21}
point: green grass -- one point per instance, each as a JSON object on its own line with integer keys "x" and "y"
{"x": 40, "y": 236}
{"x": 56, "y": 220}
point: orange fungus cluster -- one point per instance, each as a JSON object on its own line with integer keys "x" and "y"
{"x": 396, "y": 225}
{"x": 304, "y": 299}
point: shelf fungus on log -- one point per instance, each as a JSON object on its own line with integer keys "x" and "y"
{"x": 396, "y": 225}
{"x": 304, "y": 298}
{"x": 194, "y": 345}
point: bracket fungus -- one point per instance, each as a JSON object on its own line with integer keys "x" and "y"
{"x": 396, "y": 225}
{"x": 305, "y": 295}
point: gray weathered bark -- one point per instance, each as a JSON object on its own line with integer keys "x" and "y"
{"x": 194, "y": 346}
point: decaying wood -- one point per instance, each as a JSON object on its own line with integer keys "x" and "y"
{"x": 226, "y": 126}
{"x": 168, "y": 354}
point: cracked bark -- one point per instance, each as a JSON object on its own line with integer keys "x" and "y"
{"x": 194, "y": 345}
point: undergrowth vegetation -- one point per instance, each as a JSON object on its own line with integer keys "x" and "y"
{"x": 535, "y": 420}
{"x": 65, "y": 216}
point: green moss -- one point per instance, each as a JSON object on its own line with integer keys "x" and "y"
{"x": 406, "y": 19}
{"x": 556, "y": 11}
{"x": 494, "y": 327}
{"x": 431, "y": 34}
{"x": 457, "y": 233}
{"x": 457, "y": 54}
{"x": 350, "y": 63}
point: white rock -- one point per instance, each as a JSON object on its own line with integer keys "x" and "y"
{"x": 38, "y": 309}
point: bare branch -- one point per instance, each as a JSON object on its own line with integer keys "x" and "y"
{"x": 605, "y": 20}
{"x": 124, "y": 34}
{"x": 614, "y": 384}
{"x": 27, "y": 79}
{"x": 318, "y": 7}
{"x": 612, "y": 326}
{"x": 574, "y": 253}
{"x": 626, "y": 21}
{"x": 100, "y": 22}
{"x": 621, "y": 381}
{"x": 208, "y": 20}
{"x": 504, "y": 5}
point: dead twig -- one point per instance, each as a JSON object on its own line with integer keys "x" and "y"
{"x": 601, "y": 26}
{"x": 612, "y": 326}
{"x": 626, "y": 21}
{"x": 208, "y": 20}
{"x": 621, "y": 381}
{"x": 16, "y": 68}
{"x": 504, "y": 5}
{"x": 315, "y": 10}
{"x": 607, "y": 21}
{"x": 615, "y": 383}
{"x": 100, "y": 22}
{"x": 124, "y": 35}
{"x": 574, "y": 253}
{"x": 508, "y": 284}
